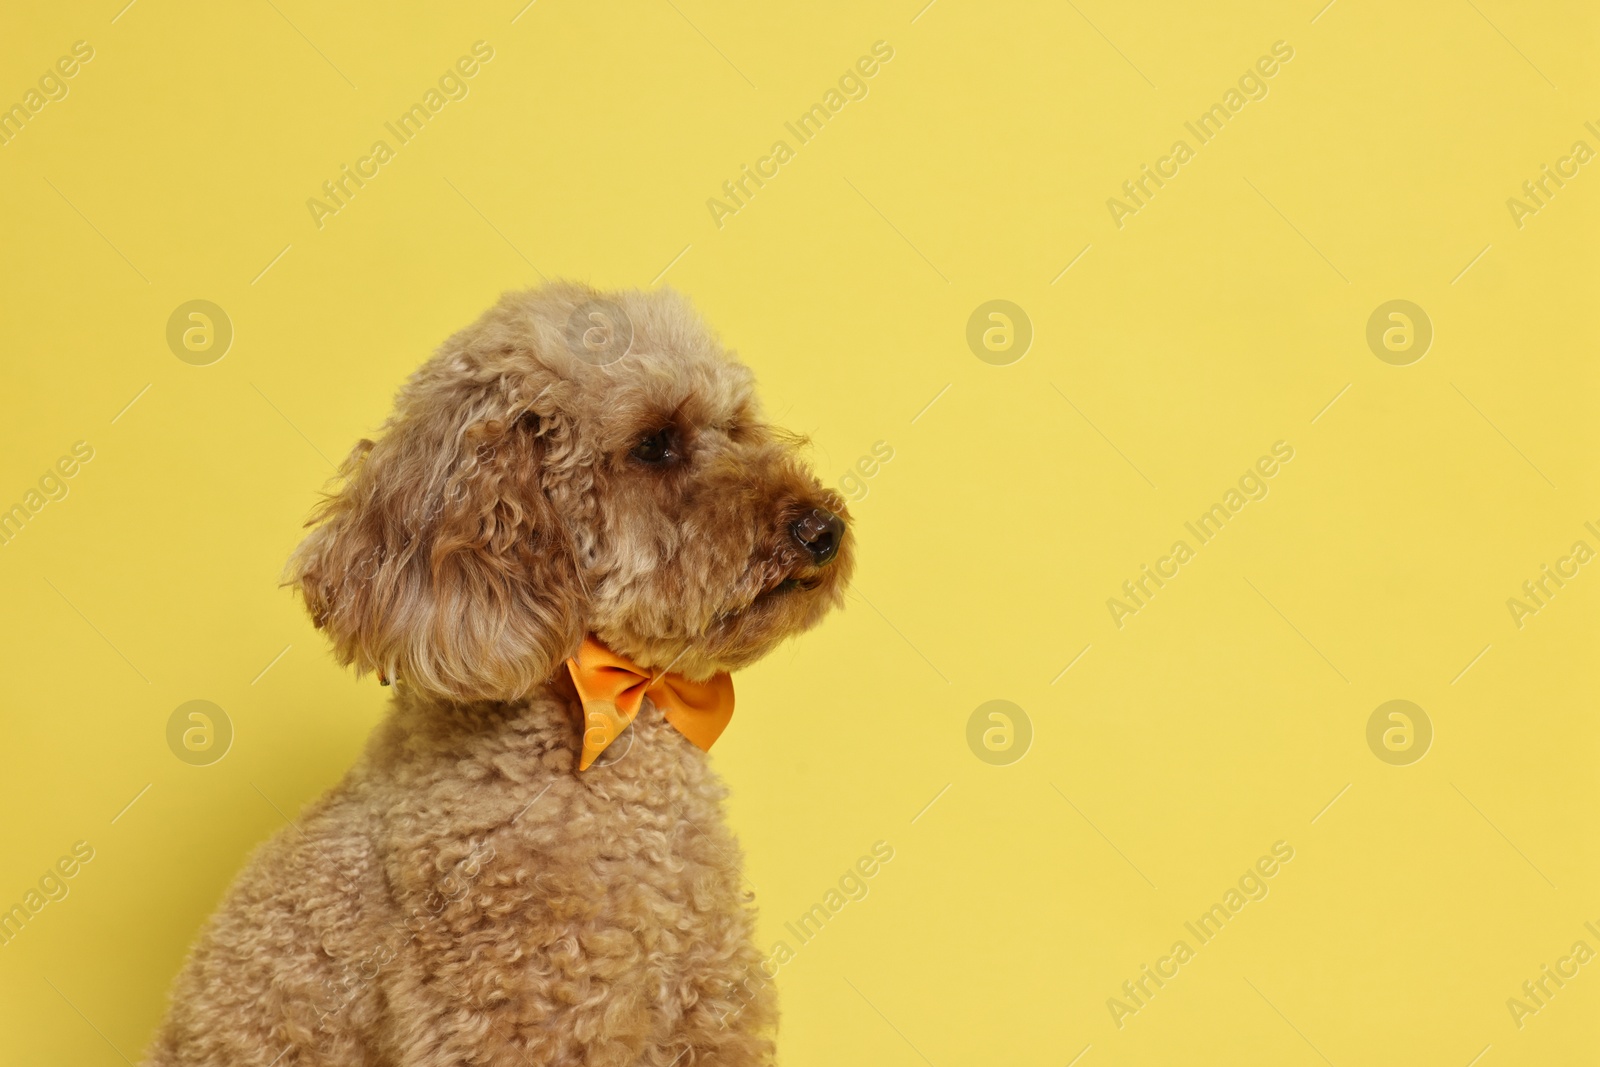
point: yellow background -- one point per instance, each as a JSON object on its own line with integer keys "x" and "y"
{"x": 1223, "y": 317}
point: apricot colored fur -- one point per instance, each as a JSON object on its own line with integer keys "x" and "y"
{"x": 464, "y": 895}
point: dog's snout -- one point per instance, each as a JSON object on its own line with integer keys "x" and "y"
{"x": 819, "y": 533}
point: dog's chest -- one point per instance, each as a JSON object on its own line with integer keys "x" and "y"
{"x": 653, "y": 808}
{"x": 622, "y": 878}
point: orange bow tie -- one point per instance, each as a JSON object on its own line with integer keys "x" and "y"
{"x": 612, "y": 687}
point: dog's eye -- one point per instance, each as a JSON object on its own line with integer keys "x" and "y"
{"x": 654, "y": 448}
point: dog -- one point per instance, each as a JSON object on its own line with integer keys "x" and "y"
{"x": 573, "y": 527}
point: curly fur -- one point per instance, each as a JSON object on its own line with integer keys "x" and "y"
{"x": 464, "y": 895}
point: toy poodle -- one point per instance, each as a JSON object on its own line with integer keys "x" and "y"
{"x": 574, "y": 525}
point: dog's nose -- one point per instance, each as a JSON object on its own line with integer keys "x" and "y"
{"x": 819, "y": 533}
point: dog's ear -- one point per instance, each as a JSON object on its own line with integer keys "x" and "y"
{"x": 440, "y": 561}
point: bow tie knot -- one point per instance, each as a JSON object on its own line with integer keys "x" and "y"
{"x": 612, "y": 687}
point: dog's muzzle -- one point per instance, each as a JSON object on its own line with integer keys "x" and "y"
{"x": 820, "y": 534}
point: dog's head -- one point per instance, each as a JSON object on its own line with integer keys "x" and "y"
{"x": 572, "y": 463}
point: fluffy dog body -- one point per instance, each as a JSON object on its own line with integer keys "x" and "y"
{"x": 465, "y": 895}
